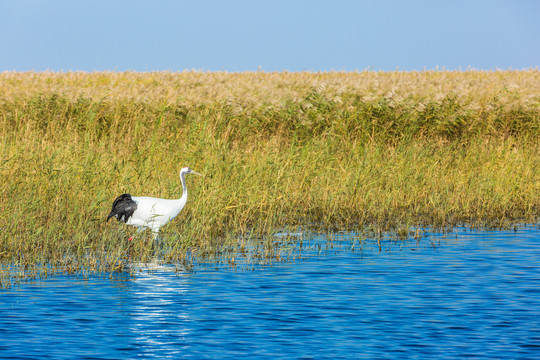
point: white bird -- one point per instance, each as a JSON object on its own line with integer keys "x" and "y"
{"x": 148, "y": 212}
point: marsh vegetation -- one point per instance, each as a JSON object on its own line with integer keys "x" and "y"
{"x": 369, "y": 152}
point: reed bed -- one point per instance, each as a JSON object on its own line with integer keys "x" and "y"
{"x": 370, "y": 152}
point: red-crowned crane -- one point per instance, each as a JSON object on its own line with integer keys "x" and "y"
{"x": 150, "y": 212}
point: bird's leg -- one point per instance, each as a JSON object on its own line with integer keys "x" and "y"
{"x": 157, "y": 240}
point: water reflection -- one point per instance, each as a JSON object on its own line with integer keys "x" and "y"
{"x": 159, "y": 314}
{"x": 477, "y": 294}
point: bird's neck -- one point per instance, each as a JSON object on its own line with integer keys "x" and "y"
{"x": 184, "y": 187}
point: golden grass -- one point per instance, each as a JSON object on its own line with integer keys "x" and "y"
{"x": 325, "y": 151}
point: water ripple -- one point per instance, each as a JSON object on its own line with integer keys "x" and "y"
{"x": 475, "y": 295}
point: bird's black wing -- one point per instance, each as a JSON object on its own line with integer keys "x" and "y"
{"x": 123, "y": 208}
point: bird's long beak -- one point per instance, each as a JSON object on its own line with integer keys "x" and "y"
{"x": 196, "y": 173}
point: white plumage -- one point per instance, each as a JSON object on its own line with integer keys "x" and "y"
{"x": 149, "y": 212}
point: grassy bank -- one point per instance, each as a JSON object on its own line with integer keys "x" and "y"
{"x": 327, "y": 151}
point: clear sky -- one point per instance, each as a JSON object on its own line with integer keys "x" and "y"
{"x": 271, "y": 35}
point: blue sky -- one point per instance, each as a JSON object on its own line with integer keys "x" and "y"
{"x": 247, "y": 35}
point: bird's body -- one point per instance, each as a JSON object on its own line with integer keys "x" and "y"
{"x": 150, "y": 212}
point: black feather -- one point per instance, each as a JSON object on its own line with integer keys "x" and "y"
{"x": 123, "y": 208}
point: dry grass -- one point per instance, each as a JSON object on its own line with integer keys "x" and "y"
{"x": 326, "y": 151}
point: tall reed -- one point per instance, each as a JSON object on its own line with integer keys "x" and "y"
{"x": 321, "y": 151}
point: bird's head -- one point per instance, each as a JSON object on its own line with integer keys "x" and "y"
{"x": 187, "y": 170}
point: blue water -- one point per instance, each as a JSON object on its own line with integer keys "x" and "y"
{"x": 470, "y": 294}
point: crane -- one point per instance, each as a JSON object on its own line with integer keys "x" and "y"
{"x": 149, "y": 212}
